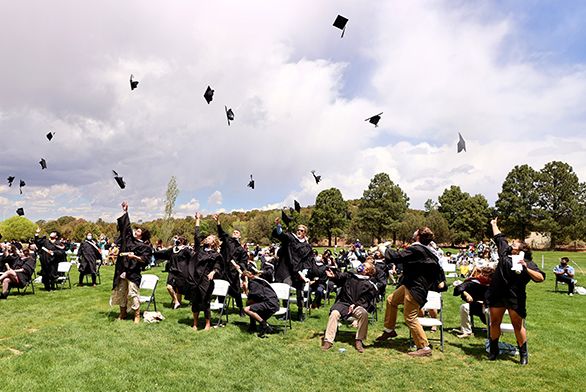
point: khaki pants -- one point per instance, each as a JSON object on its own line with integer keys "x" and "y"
{"x": 126, "y": 294}
{"x": 410, "y": 310}
{"x": 359, "y": 313}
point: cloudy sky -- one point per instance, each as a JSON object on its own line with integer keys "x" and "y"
{"x": 509, "y": 75}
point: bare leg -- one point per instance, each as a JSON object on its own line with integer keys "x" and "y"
{"x": 518, "y": 326}
{"x": 172, "y": 294}
{"x": 252, "y": 314}
{"x": 123, "y": 314}
{"x": 195, "y": 317}
{"x": 496, "y": 318}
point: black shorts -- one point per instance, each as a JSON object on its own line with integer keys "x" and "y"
{"x": 264, "y": 309}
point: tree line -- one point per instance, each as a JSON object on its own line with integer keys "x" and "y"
{"x": 550, "y": 200}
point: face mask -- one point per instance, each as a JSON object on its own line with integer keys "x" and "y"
{"x": 89, "y": 237}
{"x": 360, "y": 268}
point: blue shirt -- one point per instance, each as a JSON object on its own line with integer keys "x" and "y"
{"x": 559, "y": 269}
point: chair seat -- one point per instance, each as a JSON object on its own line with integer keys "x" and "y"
{"x": 429, "y": 322}
{"x": 216, "y": 306}
{"x": 507, "y": 328}
{"x": 144, "y": 298}
{"x": 280, "y": 312}
{"x": 38, "y": 279}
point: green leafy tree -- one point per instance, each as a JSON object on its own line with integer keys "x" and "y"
{"x": 517, "y": 201}
{"x": 439, "y": 225}
{"x": 329, "y": 216}
{"x": 412, "y": 220}
{"x": 559, "y": 192}
{"x": 466, "y": 215}
{"x": 17, "y": 228}
{"x": 381, "y": 208}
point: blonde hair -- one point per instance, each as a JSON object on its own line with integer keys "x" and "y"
{"x": 302, "y": 227}
{"x": 212, "y": 241}
{"x": 369, "y": 269}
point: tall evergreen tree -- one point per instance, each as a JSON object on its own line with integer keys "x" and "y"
{"x": 329, "y": 216}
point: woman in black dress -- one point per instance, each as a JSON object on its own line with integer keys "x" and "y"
{"x": 507, "y": 291}
{"x": 178, "y": 259}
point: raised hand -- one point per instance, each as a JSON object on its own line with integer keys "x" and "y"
{"x": 125, "y": 206}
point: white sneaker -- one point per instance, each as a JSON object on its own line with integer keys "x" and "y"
{"x": 571, "y": 294}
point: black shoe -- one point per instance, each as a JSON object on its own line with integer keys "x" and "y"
{"x": 524, "y": 354}
{"x": 264, "y": 329}
{"x": 3, "y": 295}
{"x": 493, "y": 350}
{"x": 300, "y": 317}
{"x": 242, "y": 314}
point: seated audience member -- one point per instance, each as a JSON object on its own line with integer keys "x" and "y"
{"x": 356, "y": 298}
{"x": 473, "y": 291}
{"x": 262, "y": 302}
{"x": 19, "y": 274}
{"x": 565, "y": 274}
{"x": 318, "y": 280}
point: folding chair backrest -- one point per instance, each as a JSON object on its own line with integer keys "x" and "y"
{"x": 64, "y": 267}
{"x": 434, "y": 301}
{"x": 283, "y": 291}
{"x": 220, "y": 288}
{"x": 149, "y": 282}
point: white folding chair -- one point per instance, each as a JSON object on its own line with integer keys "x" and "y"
{"x": 434, "y": 301}
{"x": 505, "y": 327}
{"x": 450, "y": 270}
{"x": 149, "y": 282}
{"x": 63, "y": 269}
{"x": 283, "y": 291}
{"x": 220, "y": 305}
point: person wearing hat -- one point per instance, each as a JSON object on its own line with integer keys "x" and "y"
{"x": 51, "y": 253}
{"x": 565, "y": 274}
{"x": 507, "y": 291}
{"x": 356, "y": 299}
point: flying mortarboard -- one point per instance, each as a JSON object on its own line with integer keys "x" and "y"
{"x": 461, "y": 143}
{"x": 22, "y": 183}
{"x": 316, "y": 177}
{"x": 209, "y": 95}
{"x": 10, "y": 180}
{"x": 297, "y": 206}
{"x": 43, "y": 163}
{"x": 133, "y": 83}
{"x": 229, "y": 114}
{"x": 374, "y": 119}
{"x": 251, "y": 182}
{"x": 119, "y": 180}
{"x": 20, "y": 211}
{"x": 340, "y": 23}
{"x": 50, "y": 135}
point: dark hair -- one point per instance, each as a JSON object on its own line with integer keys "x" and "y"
{"x": 566, "y": 259}
{"x": 182, "y": 240}
{"x": 145, "y": 234}
{"x": 425, "y": 235}
{"x": 524, "y": 247}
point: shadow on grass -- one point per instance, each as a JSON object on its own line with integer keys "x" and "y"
{"x": 478, "y": 351}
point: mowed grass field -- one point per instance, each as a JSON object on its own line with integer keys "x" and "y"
{"x": 69, "y": 340}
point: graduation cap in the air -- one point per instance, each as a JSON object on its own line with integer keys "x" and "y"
{"x": 461, "y": 143}
{"x": 285, "y": 218}
{"x": 316, "y": 177}
{"x": 229, "y": 114}
{"x": 251, "y": 182}
{"x": 43, "y": 163}
{"x": 10, "y": 180}
{"x": 297, "y": 206}
{"x": 340, "y": 23}
{"x": 119, "y": 180}
{"x": 209, "y": 95}
{"x": 22, "y": 183}
{"x": 20, "y": 211}
{"x": 50, "y": 135}
{"x": 133, "y": 83}
{"x": 374, "y": 119}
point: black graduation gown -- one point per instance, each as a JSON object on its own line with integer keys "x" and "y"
{"x": 259, "y": 290}
{"x": 88, "y": 255}
{"x": 507, "y": 288}
{"x": 49, "y": 262}
{"x": 28, "y": 265}
{"x": 231, "y": 250}
{"x": 11, "y": 260}
{"x": 128, "y": 243}
{"x": 381, "y": 275}
{"x": 294, "y": 256}
{"x": 177, "y": 266}
{"x": 357, "y": 290}
{"x": 201, "y": 263}
{"x": 267, "y": 268}
{"x": 421, "y": 270}
{"x": 317, "y": 274}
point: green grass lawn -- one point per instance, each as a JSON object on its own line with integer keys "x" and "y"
{"x": 69, "y": 340}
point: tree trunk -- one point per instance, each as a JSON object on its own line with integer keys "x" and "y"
{"x": 329, "y": 239}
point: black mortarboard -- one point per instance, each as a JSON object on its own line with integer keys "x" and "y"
{"x": 10, "y": 180}
{"x": 133, "y": 83}
{"x": 316, "y": 177}
{"x": 374, "y": 119}
{"x": 340, "y": 23}
{"x": 229, "y": 114}
{"x": 251, "y": 182}
{"x": 20, "y": 211}
{"x": 119, "y": 180}
{"x": 461, "y": 143}
{"x": 22, "y": 183}
{"x": 209, "y": 95}
{"x": 43, "y": 163}
{"x": 285, "y": 218}
{"x": 50, "y": 135}
{"x": 297, "y": 206}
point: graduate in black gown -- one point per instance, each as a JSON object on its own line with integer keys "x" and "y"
{"x": 178, "y": 258}
{"x": 235, "y": 259}
{"x": 507, "y": 291}
{"x": 295, "y": 254}
{"x": 51, "y": 253}
{"x": 88, "y": 255}
{"x": 204, "y": 265}
{"x": 135, "y": 254}
{"x": 262, "y": 303}
{"x": 318, "y": 280}
{"x": 267, "y": 265}
{"x": 18, "y": 271}
{"x": 382, "y": 273}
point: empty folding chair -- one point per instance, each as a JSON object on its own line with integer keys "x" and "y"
{"x": 283, "y": 291}
{"x": 149, "y": 282}
{"x": 219, "y": 300}
{"x": 63, "y": 269}
{"x": 434, "y": 301}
